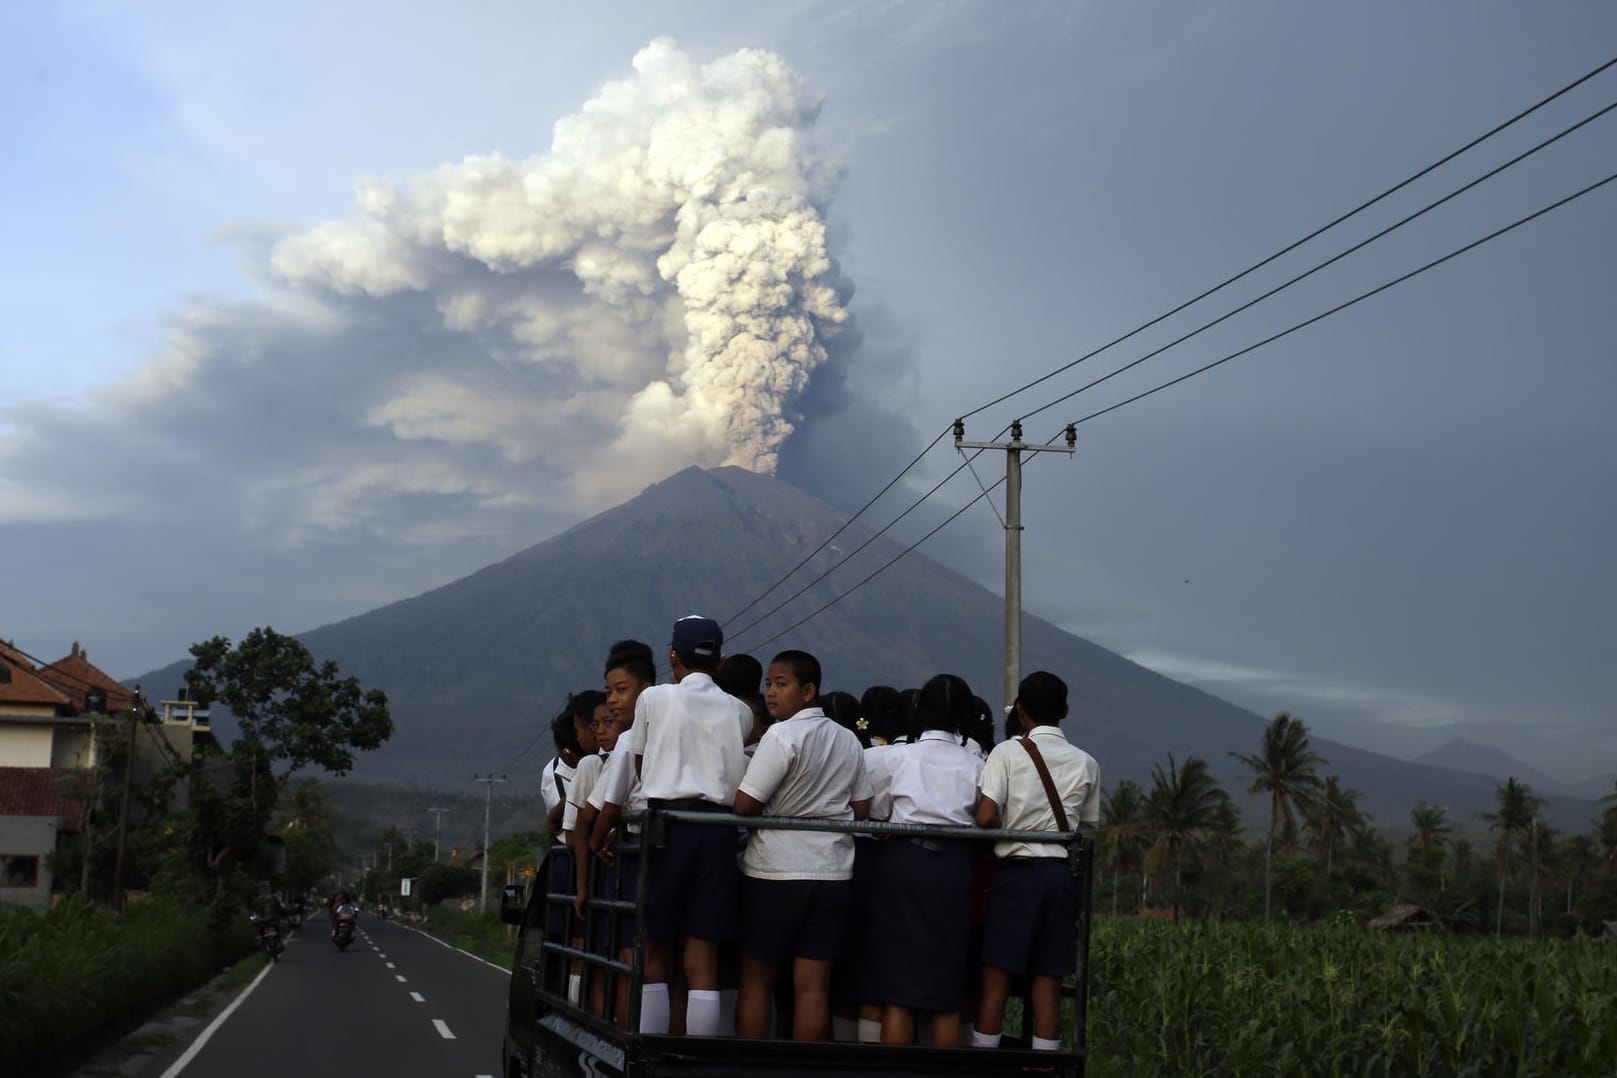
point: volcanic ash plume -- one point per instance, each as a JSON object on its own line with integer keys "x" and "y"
{"x": 656, "y": 286}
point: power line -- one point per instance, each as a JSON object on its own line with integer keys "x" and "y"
{"x": 1523, "y": 114}
{"x": 1293, "y": 246}
{"x": 1490, "y": 174}
{"x": 1357, "y": 299}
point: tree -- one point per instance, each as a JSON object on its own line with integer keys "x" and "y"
{"x": 1333, "y": 817}
{"x": 1184, "y": 807}
{"x": 293, "y": 713}
{"x": 1515, "y": 814}
{"x": 1283, "y": 768}
{"x": 1122, "y": 830}
{"x": 1430, "y": 830}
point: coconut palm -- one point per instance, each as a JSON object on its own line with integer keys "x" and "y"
{"x": 1283, "y": 768}
{"x": 1122, "y": 835}
{"x": 1333, "y": 817}
{"x": 1514, "y": 816}
{"x": 1431, "y": 826}
{"x": 1184, "y": 806}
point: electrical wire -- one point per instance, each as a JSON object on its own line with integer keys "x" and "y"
{"x": 1474, "y": 244}
{"x": 1445, "y": 159}
{"x": 1430, "y": 206}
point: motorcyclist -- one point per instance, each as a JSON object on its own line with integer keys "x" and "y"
{"x": 267, "y": 911}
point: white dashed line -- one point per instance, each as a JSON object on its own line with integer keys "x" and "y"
{"x": 399, "y": 977}
{"x": 391, "y": 966}
{"x": 443, "y": 1029}
{"x": 418, "y": 997}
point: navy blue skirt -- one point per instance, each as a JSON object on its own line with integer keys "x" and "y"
{"x": 920, "y": 927}
{"x": 850, "y": 976}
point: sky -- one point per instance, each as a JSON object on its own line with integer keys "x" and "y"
{"x": 308, "y": 308}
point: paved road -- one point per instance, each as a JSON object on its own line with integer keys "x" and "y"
{"x": 397, "y": 1003}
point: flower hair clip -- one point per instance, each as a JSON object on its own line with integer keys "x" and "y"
{"x": 862, "y": 723}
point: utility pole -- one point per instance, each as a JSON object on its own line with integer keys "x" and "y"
{"x": 123, "y": 812}
{"x": 437, "y": 829}
{"x": 1013, "y": 537}
{"x": 488, "y": 800}
{"x": 390, "y": 846}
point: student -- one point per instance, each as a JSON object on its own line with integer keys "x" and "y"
{"x": 688, "y": 740}
{"x": 577, "y": 727}
{"x": 978, "y": 732}
{"x": 882, "y": 708}
{"x": 922, "y": 919}
{"x": 740, "y": 675}
{"x": 558, "y": 773}
{"x": 797, "y": 883}
{"x": 842, "y": 708}
{"x": 1033, "y": 902}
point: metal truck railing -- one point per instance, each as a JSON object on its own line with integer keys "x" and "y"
{"x": 614, "y": 923}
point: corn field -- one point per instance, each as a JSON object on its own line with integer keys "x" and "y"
{"x": 79, "y": 973}
{"x": 1207, "y": 999}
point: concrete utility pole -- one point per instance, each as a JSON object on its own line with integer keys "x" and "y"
{"x": 488, "y": 800}
{"x": 437, "y": 829}
{"x": 123, "y": 811}
{"x": 390, "y": 846}
{"x": 1013, "y": 537}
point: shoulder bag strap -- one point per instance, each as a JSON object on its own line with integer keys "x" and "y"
{"x": 1049, "y": 783}
{"x": 561, "y": 787}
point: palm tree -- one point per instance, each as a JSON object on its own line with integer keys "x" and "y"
{"x": 1122, "y": 829}
{"x": 1334, "y": 816}
{"x": 1517, "y": 808}
{"x": 1431, "y": 826}
{"x": 1184, "y": 805}
{"x": 1283, "y": 768}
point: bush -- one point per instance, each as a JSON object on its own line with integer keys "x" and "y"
{"x": 79, "y": 973}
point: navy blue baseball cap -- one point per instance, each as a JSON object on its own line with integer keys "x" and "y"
{"x": 696, "y": 635}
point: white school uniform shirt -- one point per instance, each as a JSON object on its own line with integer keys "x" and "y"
{"x": 810, "y": 768}
{"x": 934, "y": 781}
{"x": 547, "y": 783}
{"x": 619, "y": 784}
{"x": 586, "y": 777}
{"x": 879, "y": 763}
{"x": 1011, "y": 780}
{"x": 691, "y": 738}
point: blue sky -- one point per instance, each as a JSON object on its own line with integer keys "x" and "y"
{"x": 1393, "y": 523}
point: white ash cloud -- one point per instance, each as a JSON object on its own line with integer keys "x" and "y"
{"x": 547, "y": 334}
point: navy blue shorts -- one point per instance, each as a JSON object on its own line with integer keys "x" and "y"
{"x": 694, "y": 885}
{"x": 558, "y": 881}
{"x": 920, "y": 927}
{"x": 620, "y": 881}
{"x": 1033, "y": 918}
{"x": 786, "y": 919}
{"x": 850, "y": 975}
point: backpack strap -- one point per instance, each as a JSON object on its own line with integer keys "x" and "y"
{"x": 1049, "y": 783}
{"x": 561, "y": 787}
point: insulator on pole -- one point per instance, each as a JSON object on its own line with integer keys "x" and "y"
{"x": 959, "y": 429}
{"x": 1016, "y": 430}
{"x": 1072, "y": 435}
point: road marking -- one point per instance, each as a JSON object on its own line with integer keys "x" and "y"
{"x": 399, "y": 978}
{"x": 418, "y": 997}
{"x": 443, "y": 1029}
{"x": 391, "y": 966}
{"x": 213, "y": 1027}
{"x": 379, "y": 954}
{"x": 498, "y": 969}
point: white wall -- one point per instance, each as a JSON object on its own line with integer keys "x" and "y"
{"x": 29, "y": 835}
{"x": 25, "y": 745}
{"x": 72, "y": 748}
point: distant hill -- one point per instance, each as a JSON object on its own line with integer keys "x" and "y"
{"x": 1463, "y": 755}
{"x": 474, "y": 669}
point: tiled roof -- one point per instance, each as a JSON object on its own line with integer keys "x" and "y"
{"x": 26, "y": 686}
{"x": 42, "y": 791}
{"x": 74, "y": 674}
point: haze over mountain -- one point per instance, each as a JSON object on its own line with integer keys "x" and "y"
{"x": 1463, "y": 755}
{"x": 475, "y": 669}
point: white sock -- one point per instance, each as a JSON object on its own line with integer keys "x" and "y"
{"x": 844, "y": 1029}
{"x": 575, "y": 987}
{"x": 702, "y": 1013}
{"x": 654, "y": 1008}
{"x": 1042, "y": 1045}
{"x": 727, "y": 1011}
{"x": 869, "y": 1031}
{"x": 984, "y": 1040}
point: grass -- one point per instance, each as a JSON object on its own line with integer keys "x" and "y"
{"x": 481, "y": 934}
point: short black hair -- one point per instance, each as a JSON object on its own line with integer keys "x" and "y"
{"x": 633, "y": 657}
{"x": 582, "y": 705}
{"x": 805, "y": 667}
{"x": 740, "y": 674}
{"x": 980, "y": 727}
{"x": 842, "y": 708}
{"x": 1044, "y": 697}
{"x": 944, "y": 703}
{"x": 701, "y": 664}
{"x": 563, "y": 731}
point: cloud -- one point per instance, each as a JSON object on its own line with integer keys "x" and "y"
{"x": 540, "y": 337}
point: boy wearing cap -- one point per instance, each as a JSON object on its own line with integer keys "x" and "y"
{"x": 1033, "y": 902}
{"x": 688, "y": 742}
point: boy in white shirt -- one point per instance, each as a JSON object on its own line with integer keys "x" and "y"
{"x": 797, "y": 883}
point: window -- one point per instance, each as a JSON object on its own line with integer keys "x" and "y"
{"x": 19, "y": 870}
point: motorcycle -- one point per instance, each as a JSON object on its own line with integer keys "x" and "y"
{"x": 342, "y": 925}
{"x": 269, "y": 936}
